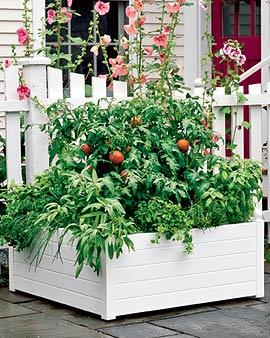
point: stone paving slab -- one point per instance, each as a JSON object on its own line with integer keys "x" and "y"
{"x": 138, "y": 330}
{"x": 94, "y": 322}
{"x": 236, "y": 322}
{"x": 11, "y": 310}
{"x": 262, "y": 307}
{"x": 15, "y": 297}
{"x": 40, "y": 325}
{"x": 236, "y": 303}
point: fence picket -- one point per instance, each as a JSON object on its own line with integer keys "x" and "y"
{"x": 13, "y": 129}
{"x": 219, "y": 123}
{"x": 77, "y": 86}
{"x": 120, "y": 89}
{"x": 55, "y": 83}
{"x": 237, "y": 119}
{"x": 99, "y": 88}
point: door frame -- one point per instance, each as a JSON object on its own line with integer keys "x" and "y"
{"x": 195, "y": 48}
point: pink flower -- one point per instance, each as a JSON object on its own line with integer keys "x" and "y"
{"x": 7, "y": 63}
{"x": 119, "y": 59}
{"x": 215, "y": 137}
{"x": 143, "y": 79}
{"x": 23, "y": 92}
{"x": 130, "y": 12}
{"x": 181, "y": 2}
{"x": 102, "y": 8}
{"x": 235, "y": 53}
{"x": 149, "y": 51}
{"x": 166, "y": 29}
{"x": 124, "y": 43}
{"x": 162, "y": 57}
{"x": 110, "y": 86}
{"x": 160, "y": 40}
{"x": 130, "y": 29}
{"x": 23, "y": 36}
{"x": 204, "y": 122}
{"x": 69, "y": 3}
{"x": 241, "y": 60}
{"x": 138, "y": 5}
{"x": 94, "y": 50}
{"x": 66, "y": 12}
{"x": 172, "y": 8}
{"x": 105, "y": 40}
{"x": 51, "y": 14}
{"x": 206, "y": 152}
{"x": 120, "y": 70}
{"x": 140, "y": 21}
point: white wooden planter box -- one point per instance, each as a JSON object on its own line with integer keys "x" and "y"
{"x": 227, "y": 263}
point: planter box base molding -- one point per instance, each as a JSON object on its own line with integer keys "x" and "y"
{"x": 227, "y": 262}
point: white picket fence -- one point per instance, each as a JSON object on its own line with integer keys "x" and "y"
{"x": 46, "y": 84}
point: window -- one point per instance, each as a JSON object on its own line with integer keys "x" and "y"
{"x": 111, "y": 24}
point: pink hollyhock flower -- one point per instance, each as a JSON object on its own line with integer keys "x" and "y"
{"x": 66, "y": 12}
{"x": 160, "y": 40}
{"x": 120, "y": 70}
{"x": 105, "y": 40}
{"x": 23, "y": 36}
{"x": 51, "y": 14}
{"x": 112, "y": 61}
{"x": 119, "y": 59}
{"x": 7, "y": 63}
{"x": 69, "y": 3}
{"x": 94, "y": 50}
{"x": 204, "y": 122}
{"x": 143, "y": 79}
{"x": 181, "y": 2}
{"x": 138, "y": 5}
{"x": 124, "y": 43}
{"x": 166, "y": 29}
{"x": 215, "y": 137}
{"x": 172, "y": 8}
{"x": 130, "y": 12}
{"x": 206, "y": 152}
{"x": 140, "y": 21}
{"x": 23, "y": 92}
{"x": 130, "y": 29}
{"x": 149, "y": 51}
{"x": 102, "y": 8}
{"x": 162, "y": 57}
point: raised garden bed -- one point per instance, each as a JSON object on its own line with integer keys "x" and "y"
{"x": 227, "y": 263}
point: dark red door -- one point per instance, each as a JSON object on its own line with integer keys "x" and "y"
{"x": 239, "y": 20}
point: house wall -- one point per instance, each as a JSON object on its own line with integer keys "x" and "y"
{"x": 152, "y": 23}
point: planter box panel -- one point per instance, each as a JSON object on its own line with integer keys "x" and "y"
{"x": 60, "y": 280}
{"x": 184, "y": 298}
{"x": 193, "y": 266}
{"x": 154, "y": 254}
{"x": 59, "y": 295}
{"x": 63, "y": 266}
{"x": 220, "y": 233}
{"x": 183, "y": 283}
{"x": 227, "y": 263}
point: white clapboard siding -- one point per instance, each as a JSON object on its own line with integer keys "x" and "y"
{"x": 153, "y": 23}
{"x": 226, "y": 263}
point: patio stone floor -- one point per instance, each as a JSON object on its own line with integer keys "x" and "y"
{"x": 23, "y": 316}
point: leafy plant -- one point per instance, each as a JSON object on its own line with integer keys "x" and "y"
{"x": 139, "y": 165}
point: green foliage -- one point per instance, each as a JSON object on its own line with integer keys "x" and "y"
{"x": 157, "y": 188}
{"x": 267, "y": 253}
